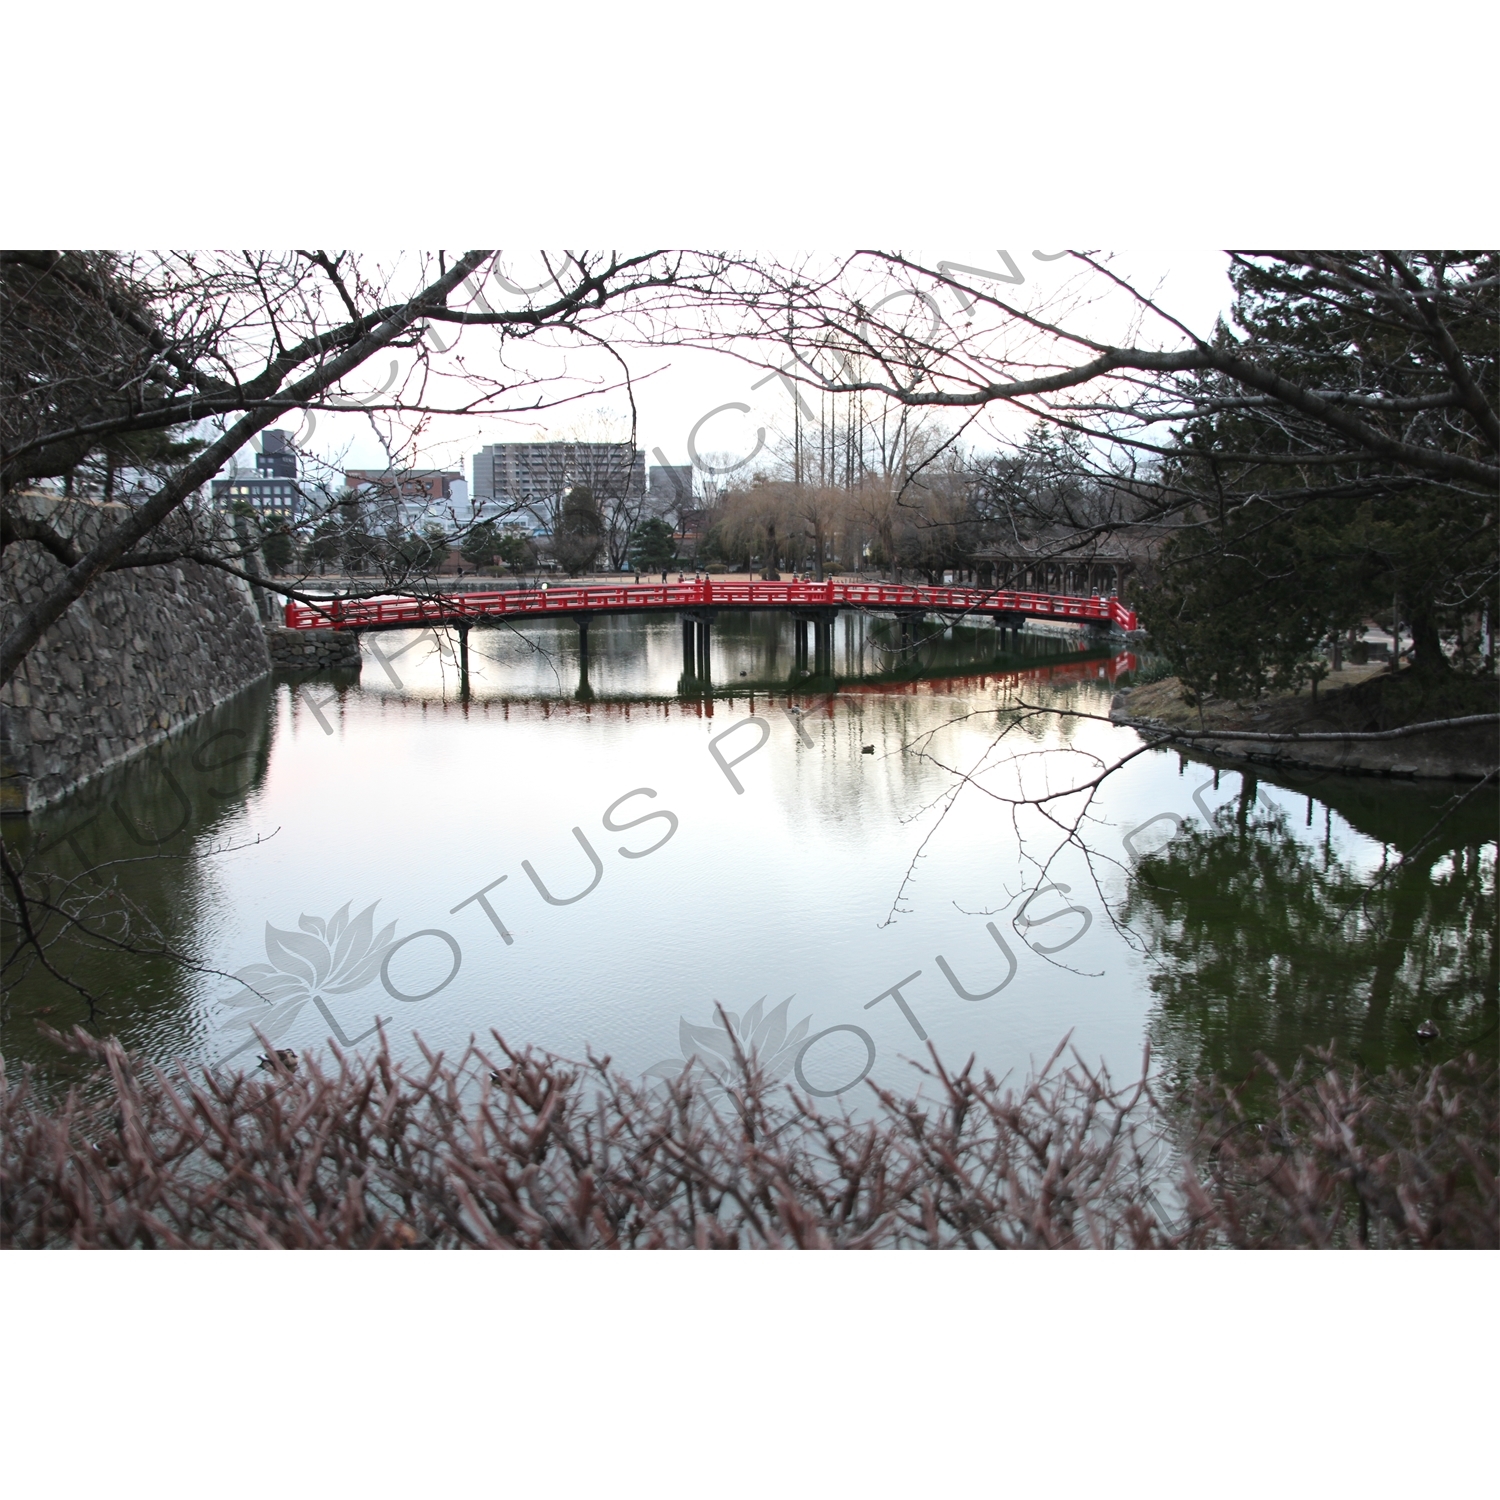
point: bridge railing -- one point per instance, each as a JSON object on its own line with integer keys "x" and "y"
{"x": 398, "y": 610}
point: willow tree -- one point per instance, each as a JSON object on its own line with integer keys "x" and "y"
{"x": 1333, "y": 447}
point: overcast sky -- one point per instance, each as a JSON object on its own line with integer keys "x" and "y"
{"x": 675, "y": 390}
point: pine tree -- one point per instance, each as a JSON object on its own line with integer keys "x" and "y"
{"x": 1290, "y": 538}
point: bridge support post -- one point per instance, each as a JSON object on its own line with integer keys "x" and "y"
{"x": 821, "y": 624}
{"x": 823, "y": 644}
{"x": 697, "y": 637}
{"x": 909, "y": 620}
{"x": 463, "y": 659}
{"x": 584, "y": 692}
{"x": 705, "y": 668}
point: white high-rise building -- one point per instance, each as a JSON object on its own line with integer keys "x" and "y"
{"x": 513, "y": 477}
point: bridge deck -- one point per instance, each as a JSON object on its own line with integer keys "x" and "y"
{"x": 397, "y": 611}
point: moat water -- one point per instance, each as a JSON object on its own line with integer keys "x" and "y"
{"x": 836, "y": 868}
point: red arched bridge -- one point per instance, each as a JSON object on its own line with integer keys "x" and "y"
{"x": 396, "y": 612}
{"x": 814, "y": 605}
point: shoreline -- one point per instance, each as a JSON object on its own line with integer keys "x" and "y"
{"x": 1467, "y": 753}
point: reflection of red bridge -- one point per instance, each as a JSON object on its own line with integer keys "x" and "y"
{"x": 1094, "y": 669}
{"x": 395, "y": 612}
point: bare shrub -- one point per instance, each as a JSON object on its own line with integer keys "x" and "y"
{"x": 539, "y": 1152}
{"x": 1402, "y": 1160}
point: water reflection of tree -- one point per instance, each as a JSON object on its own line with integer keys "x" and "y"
{"x": 1267, "y": 944}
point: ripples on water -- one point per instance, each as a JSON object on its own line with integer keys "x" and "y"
{"x": 847, "y": 848}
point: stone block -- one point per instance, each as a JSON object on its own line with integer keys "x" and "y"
{"x": 139, "y": 656}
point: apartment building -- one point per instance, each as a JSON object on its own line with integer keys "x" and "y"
{"x": 533, "y": 477}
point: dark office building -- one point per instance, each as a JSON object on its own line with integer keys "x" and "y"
{"x": 277, "y": 458}
{"x": 670, "y": 486}
{"x": 272, "y": 490}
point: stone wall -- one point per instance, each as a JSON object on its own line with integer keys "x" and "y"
{"x": 313, "y": 650}
{"x": 142, "y": 654}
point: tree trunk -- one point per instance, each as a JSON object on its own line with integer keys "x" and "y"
{"x": 1427, "y": 648}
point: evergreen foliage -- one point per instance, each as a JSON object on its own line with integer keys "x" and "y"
{"x": 579, "y": 533}
{"x": 653, "y": 546}
{"x": 1290, "y": 536}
